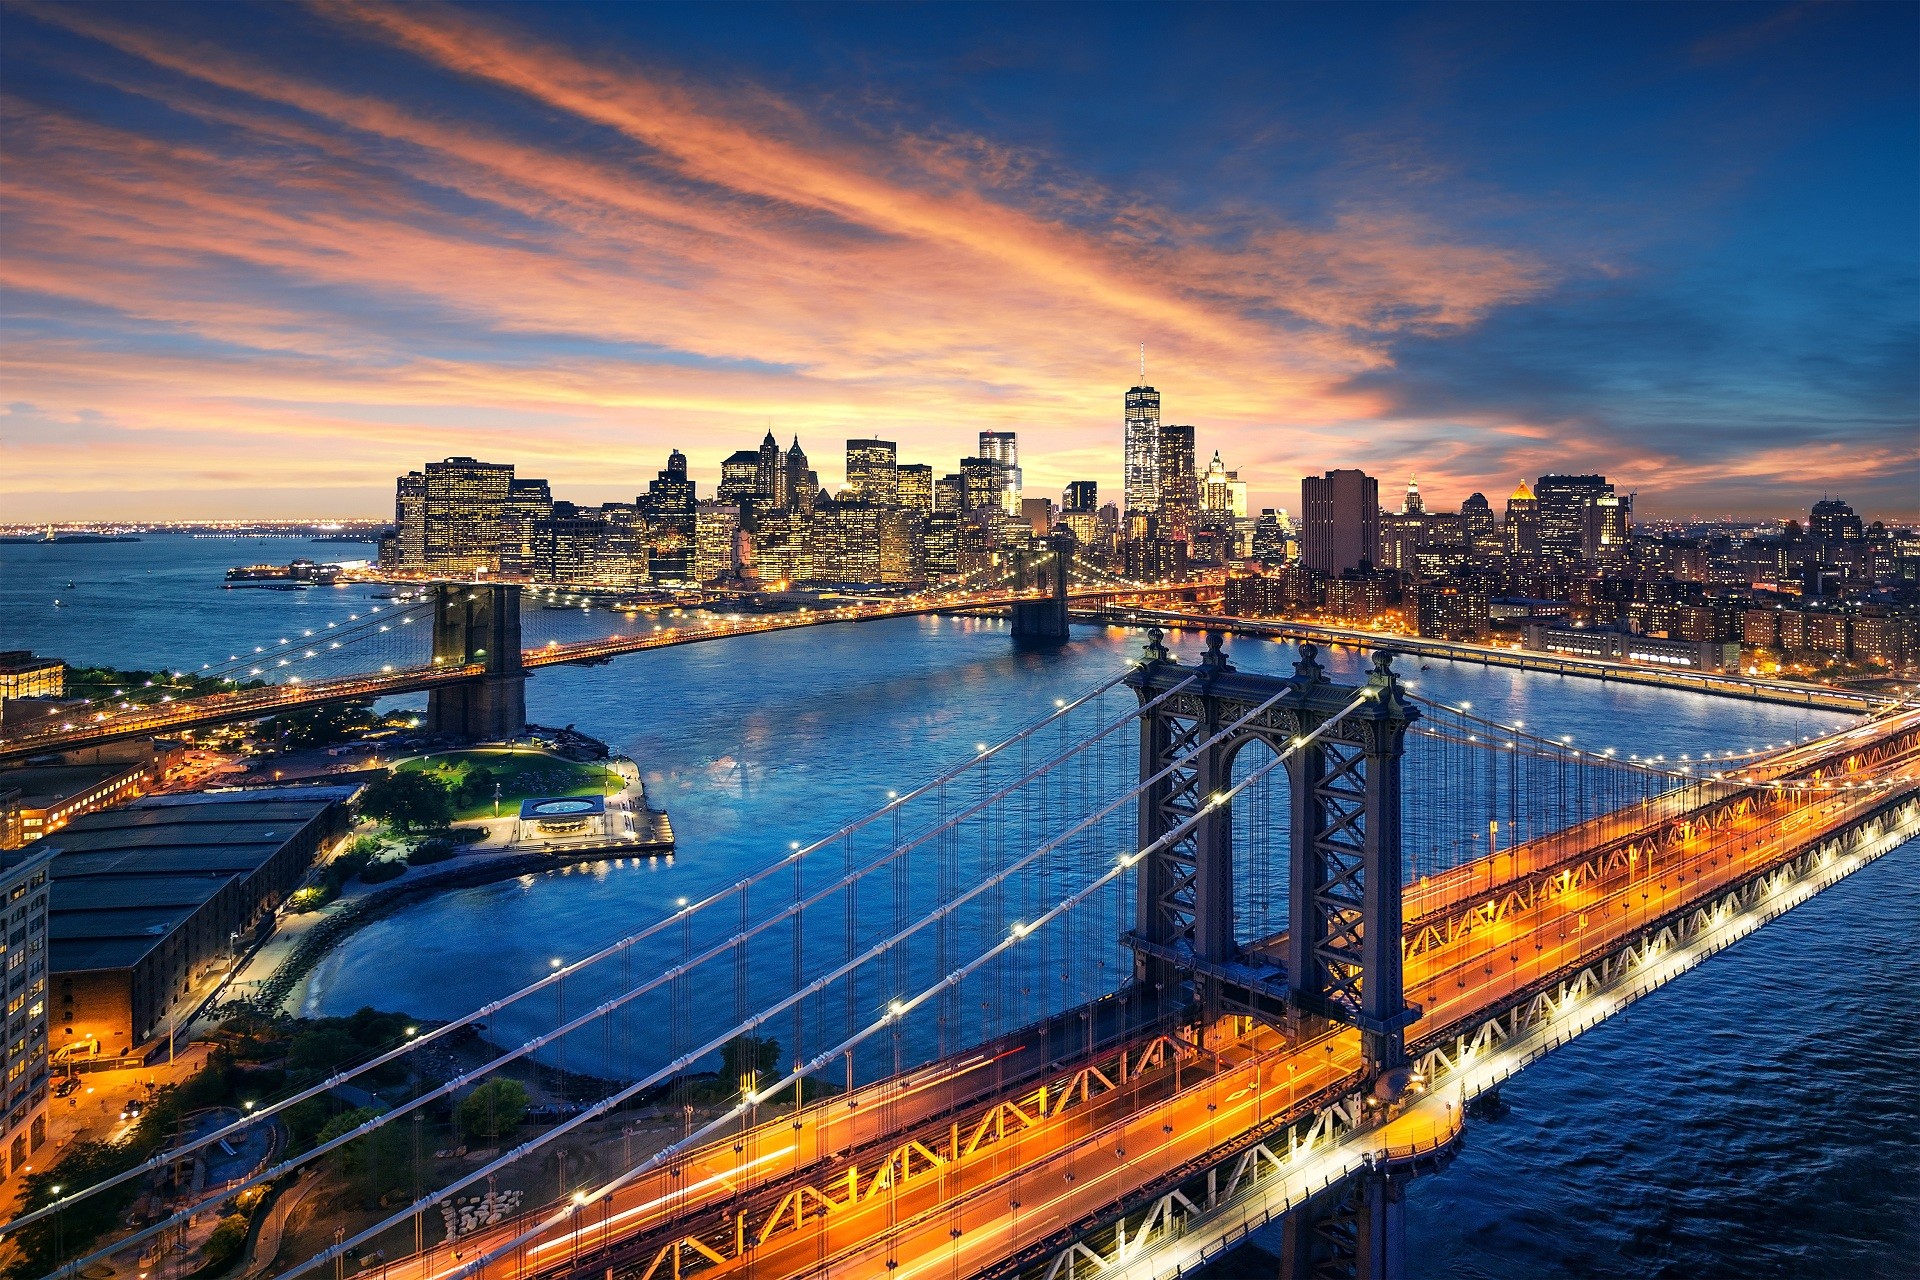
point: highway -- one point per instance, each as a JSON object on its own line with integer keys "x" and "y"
{"x": 1723, "y": 684}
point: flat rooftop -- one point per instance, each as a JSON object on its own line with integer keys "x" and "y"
{"x": 124, "y": 880}
{"x": 43, "y": 786}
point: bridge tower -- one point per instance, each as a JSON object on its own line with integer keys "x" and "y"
{"x": 1343, "y": 957}
{"x": 478, "y": 624}
{"x": 1043, "y": 620}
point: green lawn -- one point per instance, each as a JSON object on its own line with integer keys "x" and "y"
{"x": 521, "y": 774}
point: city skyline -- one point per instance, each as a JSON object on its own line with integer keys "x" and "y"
{"x": 248, "y": 282}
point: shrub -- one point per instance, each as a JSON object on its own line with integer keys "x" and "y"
{"x": 382, "y": 869}
{"x": 432, "y": 849}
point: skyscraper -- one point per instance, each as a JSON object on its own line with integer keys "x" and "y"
{"x": 1563, "y": 513}
{"x": 1005, "y": 450}
{"x": 670, "y": 506}
{"x": 1339, "y": 521}
{"x": 982, "y": 484}
{"x": 462, "y": 509}
{"x": 740, "y": 476}
{"x": 1142, "y": 471}
{"x": 410, "y": 520}
{"x": 1179, "y": 487}
{"x": 770, "y": 481}
{"x": 873, "y": 471}
{"x": 914, "y": 485}
{"x": 1081, "y": 495}
{"x": 1412, "y": 504}
{"x": 1223, "y": 494}
{"x": 1476, "y": 517}
{"x": 1522, "y": 529}
{"x": 800, "y": 485}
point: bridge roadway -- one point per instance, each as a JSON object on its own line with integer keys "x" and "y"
{"x": 902, "y": 1182}
{"x": 1729, "y": 685}
{"x": 252, "y": 704}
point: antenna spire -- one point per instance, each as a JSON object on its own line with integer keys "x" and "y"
{"x": 1143, "y": 364}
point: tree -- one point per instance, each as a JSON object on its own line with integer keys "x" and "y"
{"x": 407, "y": 800}
{"x": 494, "y": 1110}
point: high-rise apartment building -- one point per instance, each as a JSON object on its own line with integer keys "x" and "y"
{"x": 461, "y": 528}
{"x": 1563, "y": 514}
{"x": 1142, "y": 462}
{"x": 1179, "y": 486}
{"x": 1003, "y": 448}
{"x": 914, "y": 487}
{"x": 1339, "y": 521}
{"x": 23, "y": 895}
{"x": 873, "y": 471}
{"x": 1081, "y": 495}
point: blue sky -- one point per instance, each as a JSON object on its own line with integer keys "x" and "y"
{"x": 261, "y": 258}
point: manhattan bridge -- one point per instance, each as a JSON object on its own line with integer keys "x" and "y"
{"x": 1199, "y": 953}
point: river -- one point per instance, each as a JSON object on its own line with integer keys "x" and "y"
{"x": 1753, "y": 1118}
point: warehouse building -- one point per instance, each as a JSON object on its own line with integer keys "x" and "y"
{"x": 150, "y": 900}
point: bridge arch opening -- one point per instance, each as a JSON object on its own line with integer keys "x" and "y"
{"x": 1262, "y": 844}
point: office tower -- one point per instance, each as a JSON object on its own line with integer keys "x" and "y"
{"x": 670, "y": 505}
{"x": 1081, "y": 495}
{"x": 1084, "y": 525}
{"x": 914, "y": 487}
{"x": 873, "y": 471}
{"x": 410, "y": 521}
{"x": 802, "y": 484}
{"x": 949, "y": 492}
{"x": 1339, "y": 521}
{"x": 1223, "y": 494}
{"x": 845, "y": 540}
{"x": 464, "y": 502}
{"x": 1142, "y": 463}
{"x": 1483, "y": 535}
{"x": 1522, "y": 530}
{"x": 1563, "y": 513}
{"x": 1179, "y": 488}
{"x": 1607, "y": 535}
{"x": 770, "y": 474}
{"x": 1412, "y": 504}
{"x": 903, "y": 552}
{"x": 740, "y": 477}
{"x": 1037, "y": 514}
{"x": 1272, "y": 532}
{"x": 527, "y": 501}
{"x": 1005, "y": 450}
{"x": 716, "y": 542}
{"x": 982, "y": 484}
{"x": 1834, "y": 521}
{"x": 942, "y": 542}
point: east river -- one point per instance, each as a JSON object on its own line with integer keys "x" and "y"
{"x": 1755, "y": 1118}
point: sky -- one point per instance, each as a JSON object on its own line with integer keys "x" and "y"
{"x": 255, "y": 261}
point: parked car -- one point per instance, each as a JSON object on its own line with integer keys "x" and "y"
{"x": 68, "y": 1085}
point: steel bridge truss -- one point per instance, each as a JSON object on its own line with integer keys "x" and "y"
{"x": 1344, "y": 863}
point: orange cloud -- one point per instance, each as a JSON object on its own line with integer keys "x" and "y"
{"x": 336, "y": 270}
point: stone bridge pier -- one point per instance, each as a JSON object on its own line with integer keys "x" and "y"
{"x": 478, "y": 625}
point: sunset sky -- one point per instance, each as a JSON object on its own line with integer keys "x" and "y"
{"x": 256, "y": 260}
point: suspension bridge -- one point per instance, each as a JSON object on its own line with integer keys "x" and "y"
{"x": 1200, "y": 952}
{"x": 467, "y": 647}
